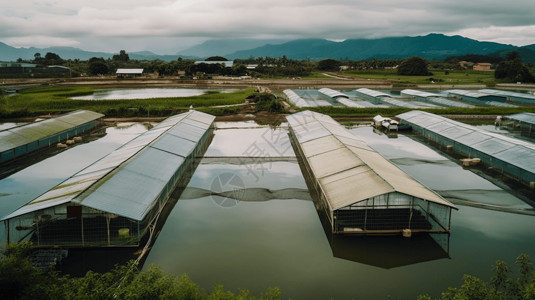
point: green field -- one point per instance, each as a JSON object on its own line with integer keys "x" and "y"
{"x": 55, "y": 100}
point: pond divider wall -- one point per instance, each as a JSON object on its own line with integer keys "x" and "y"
{"x": 116, "y": 200}
{"x": 21, "y": 140}
{"x": 360, "y": 191}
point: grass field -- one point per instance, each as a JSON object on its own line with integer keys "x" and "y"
{"x": 54, "y": 100}
{"x": 438, "y": 77}
{"x": 57, "y": 100}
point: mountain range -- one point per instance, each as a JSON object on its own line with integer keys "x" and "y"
{"x": 431, "y": 46}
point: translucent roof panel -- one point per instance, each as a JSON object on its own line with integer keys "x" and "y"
{"x": 129, "y": 180}
{"x": 332, "y": 93}
{"x": 528, "y": 157}
{"x": 342, "y": 189}
{"x": 522, "y": 117}
{"x": 22, "y": 135}
{"x": 473, "y": 138}
{"x": 175, "y": 145}
{"x": 493, "y": 146}
{"x": 131, "y": 190}
{"x": 187, "y": 131}
{"x": 332, "y": 162}
{"x": 455, "y": 132}
{"x": 321, "y": 145}
{"x": 372, "y": 93}
{"x": 10, "y": 140}
{"x": 489, "y": 143}
{"x": 348, "y": 170}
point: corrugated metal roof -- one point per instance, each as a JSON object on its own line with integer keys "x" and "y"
{"x": 486, "y": 142}
{"x": 348, "y": 170}
{"x": 127, "y": 181}
{"x": 22, "y": 135}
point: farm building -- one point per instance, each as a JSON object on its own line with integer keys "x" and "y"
{"x": 21, "y": 140}
{"x": 361, "y": 191}
{"x": 114, "y": 201}
{"x": 128, "y": 73}
{"x": 512, "y": 157}
{"x": 524, "y": 98}
{"x": 525, "y": 122}
{"x": 482, "y": 67}
{"x": 434, "y": 98}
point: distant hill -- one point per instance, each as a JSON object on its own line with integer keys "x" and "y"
{"x": 224, "y": 47}
{"x": 432, "y": 46}
{"x": 8, "y": 53}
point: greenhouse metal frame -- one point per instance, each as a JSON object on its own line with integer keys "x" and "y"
{"x": 116, "y": 200}
{"x": 360, "y": 191}
{"x": 509, "y": 156}
{"x": 21, "y": 140}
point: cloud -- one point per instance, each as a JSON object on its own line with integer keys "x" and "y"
{"x": 71, "y": 22}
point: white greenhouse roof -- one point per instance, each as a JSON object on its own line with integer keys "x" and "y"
{"x": 372, "y": 93}
{"x": 522, "y": 117}
{"x": 128, "y": 181}
{"x": 332, "y": 93}
{"x": 22, "y": 135}
{"x": 129, "y": 71}
{"x": 348, "y": 170}
{"x": 513, "y": 151}
{"x": 508, "y": 94}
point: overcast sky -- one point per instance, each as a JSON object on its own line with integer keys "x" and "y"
{"x": 165, "y": 27}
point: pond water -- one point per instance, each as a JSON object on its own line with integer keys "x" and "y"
{"x": 246, "y": 220}
{"x": 149, "y": 93}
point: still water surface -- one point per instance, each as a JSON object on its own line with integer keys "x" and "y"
{"x": 148, "y": 93}
{"x": 265, "y": 231}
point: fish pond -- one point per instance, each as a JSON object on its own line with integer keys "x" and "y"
{"x": 247, "y": 220}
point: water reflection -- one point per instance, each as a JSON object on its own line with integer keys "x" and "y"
{"x": 149, "y": 93}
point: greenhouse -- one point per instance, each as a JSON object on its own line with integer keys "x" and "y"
{"x": 525, "y": 122}
{"x": 360, "y": 191}
{"x": 21, "y": 140}
{"x": 116, "y": 200}
{"x": 524, "y": 98}
{"x": 340, "y": 98}
{"x": 434, "y": 98}
{"x": 480, "y": 98}
{"x": 377, "y": 96}
{"x": 512, "y": 157}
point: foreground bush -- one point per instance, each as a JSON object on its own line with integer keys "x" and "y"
{"x": 19, "y": 279}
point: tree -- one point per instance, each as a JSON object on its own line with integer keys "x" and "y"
{"x": 121, "y": 57}
{"x": 414, "y": 66}
{"x": 216, "y": 58}
{"x": 37, "y": 58}
{"x": 53, "y": 59}
{"x": 98, "y": 66}
{"x": 329, "y": 65}
{"x": 513, "y": 70}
